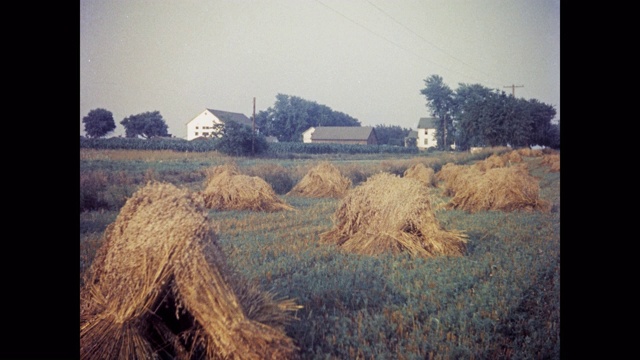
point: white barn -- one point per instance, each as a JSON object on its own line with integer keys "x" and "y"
{"x": 202, "y": 126}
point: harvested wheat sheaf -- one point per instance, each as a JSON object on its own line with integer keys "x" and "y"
{"x": 159, "y": 288}
{"x": 512, "y": 157}
{"x": 527, "y": 152}
{"x": 228, "y": 189}
{"x": 323, "y": 180}
{"x": 421, "y": 173}
{"x": 492, "y": 162}
{"x": 390, "y": 214}
{"x": 507, "y": 189}
{"x": 553, "y": 160}
{"x": 452, "y": 177}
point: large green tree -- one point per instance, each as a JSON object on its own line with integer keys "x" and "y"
{"x": 470, "y": 103}
{"x": 440, "y": 101}
{"x": 290, "y": 116}
{"x": 146, "y": 125}
{"x": 239, "y": 140}
{"x": 391, "y": 134}
{"x": 98, "y": 123}
{"x": 486, "y": 117}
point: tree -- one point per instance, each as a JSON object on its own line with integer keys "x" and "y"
{"x": 291, "y": 116}
{"x": 146, "y": 125}
{"x": 98, "y": 123}
{"x": 239, "y": 140}
{"x": 470, "y": 103}
{"x": 391, "y": 134}
{"x": 440, "y": 101}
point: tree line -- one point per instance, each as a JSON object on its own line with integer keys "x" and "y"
{"x": 470, "y": 116}
{"x": 99, "y": 122}
{"x": 476, "y": 116}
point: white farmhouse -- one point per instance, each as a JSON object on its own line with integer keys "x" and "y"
{"x": 427, "y": 133}
{"x": 202, "y": 126}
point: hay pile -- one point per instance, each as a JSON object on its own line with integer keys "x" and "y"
{"x": 528, "y": 152}
{"x": 553, "y": 160}
{"x": 390, "y": 214}
{"x": 159, "y": 288}
{"x": 453, "y": 177}
{"x": 506, "y": 189}
{"x": 323, "y": 180}
{"x": 512, "y": 157}
{"x": 492, "y": 162}
{"x": 228, "y": 189}
{"x": 421, "y": 173}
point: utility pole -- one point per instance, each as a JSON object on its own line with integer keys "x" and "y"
{"x": 253, "y": 133}
{"x": 513, "y": 89}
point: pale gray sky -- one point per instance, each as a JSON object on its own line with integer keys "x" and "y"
{"x": 365, "y": 58}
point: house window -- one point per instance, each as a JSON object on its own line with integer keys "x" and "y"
{"x": 196, "y": 133}
{"x": 196, "y": 128}
{"x": 426, "y": 141}
{"x": 205, "y": 134}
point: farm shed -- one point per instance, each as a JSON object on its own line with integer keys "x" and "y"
{"x": 202, "y": 126}
{"x": 363, "y": 135}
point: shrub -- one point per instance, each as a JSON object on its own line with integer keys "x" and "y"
{"x": 275, "y": 175}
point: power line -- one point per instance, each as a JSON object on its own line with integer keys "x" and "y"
{"x": 384, "y": 38}
{"x": 425, "y": 40}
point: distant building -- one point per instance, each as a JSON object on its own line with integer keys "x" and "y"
{"x": 426, "y": 136}
{"x": 202, "y": 126}
{"x": 363, "y": 135}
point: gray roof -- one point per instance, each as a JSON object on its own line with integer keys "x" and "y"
{"x": 428, "y": 123}
{"x": 413, "y": 134}
{"x": 342, "y": 133}
{"x": 231, "y": 116}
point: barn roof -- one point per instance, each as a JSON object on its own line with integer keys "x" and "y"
{"x": 342, "y": 133}
{"x": 231, "y": 116}
{"x": 428, "y": 123}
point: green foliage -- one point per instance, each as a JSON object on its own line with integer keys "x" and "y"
{"x": 291, "y": 116}
{"x": 98, "y": 123}
{"x": 239, "y": 140}
{"x": 440, "y": 100}
{"x": 146, "y": 125}
{"x": 391, "y": 134}
{"x": 478, "y": 116}
{"x": 284, "y": 148}
{"x": 412, "y": 142}
{"x": 278, "y": 150}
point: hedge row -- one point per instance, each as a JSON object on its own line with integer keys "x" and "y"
{"x": 274, "y": 149}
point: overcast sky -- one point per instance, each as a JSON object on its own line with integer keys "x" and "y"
{"x": 365, "y": 58}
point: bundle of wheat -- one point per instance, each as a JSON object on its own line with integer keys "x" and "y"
{"x": 505, "y": 188}
{"x": 492, "y": 162}
{"x": 553, "y": 160}
{"x": 323, "y": 180}
{"x": 159, "y": 288}
{"x": 228, "y": 189}
{"x": 451, "y": 177}
{"x": 390, "y": 214}
{"x": 512, "y": 157}
{"x": 420, "y": 172}
{"x": 528, "y": 152}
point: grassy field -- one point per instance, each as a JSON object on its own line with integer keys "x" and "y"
{"x": 501, "y": 300}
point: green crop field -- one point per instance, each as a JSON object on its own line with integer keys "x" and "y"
{"x": 501, "y": 300}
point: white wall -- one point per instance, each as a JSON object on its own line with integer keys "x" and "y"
{"x": 427, "y": 138}
{"x": 201, "y": 125}
{"x": 306, "y": 136}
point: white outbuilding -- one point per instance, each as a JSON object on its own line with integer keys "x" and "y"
{"x": 204, "y": 124}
